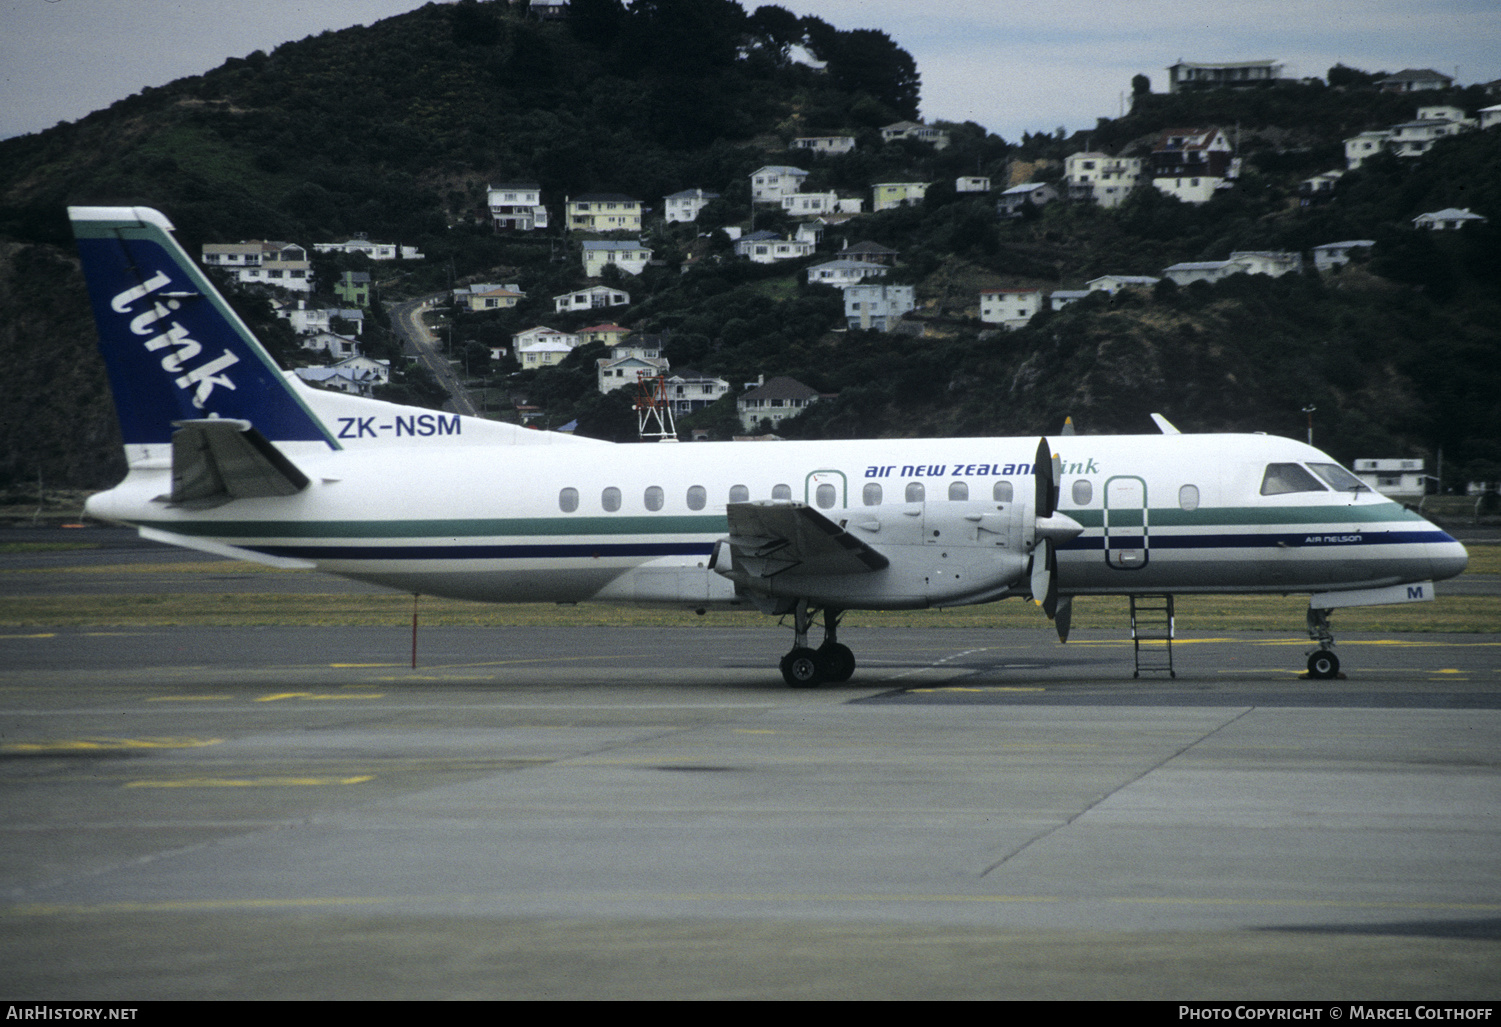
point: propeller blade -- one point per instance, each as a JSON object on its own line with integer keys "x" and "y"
{"x": 1064, "y": 617}
{"x": 1050, "y": 597}
{"x": 1042, "y": 471}
{"x": 1044, "y": 581}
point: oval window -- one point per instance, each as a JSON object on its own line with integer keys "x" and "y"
{"x": 698, "y": 497}
{"x": 958, "y": 491}
{"x": 653, "y": 497}
{"x": 1083, "y": 492}
{"x": 568, "y": 500}
{"x": 781, "y": 492}
{"x": 872, "y": 494}
{"x": 1002, "y": 492}
{"x": 739, "y": 494}
{"x": 825, "y": 496}
{"x": 1188, "y": 497}
{"x": 915, "y": 492}
{"x": 610, "y": 499}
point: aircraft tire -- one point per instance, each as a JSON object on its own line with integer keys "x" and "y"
{"x": 836, "y": 661}
{"x": 800, "y": 668}
{"x": 1323, "y": 665}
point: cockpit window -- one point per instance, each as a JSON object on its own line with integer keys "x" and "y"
{"x": 1282, "y": 478}
{"x": 1339, "y": 479}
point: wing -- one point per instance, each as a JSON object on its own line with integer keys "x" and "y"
{"x": 775, "y": 537}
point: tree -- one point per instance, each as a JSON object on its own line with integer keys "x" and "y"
{"x": 867, "y": 61}
{"x": 1140, "y": 85}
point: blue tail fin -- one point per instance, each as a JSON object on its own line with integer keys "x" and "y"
{"x": 174, "y": 349}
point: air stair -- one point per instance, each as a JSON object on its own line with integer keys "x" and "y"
{"x": 1152, "y": 623}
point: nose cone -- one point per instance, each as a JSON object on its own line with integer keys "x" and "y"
{"x": 1447, "y": 559}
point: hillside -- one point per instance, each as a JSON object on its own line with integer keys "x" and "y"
{"x": 396, "y": 129}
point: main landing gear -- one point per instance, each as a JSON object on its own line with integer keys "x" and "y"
{"x": 1322, "y": 663}
{"x": 804, "y": 667}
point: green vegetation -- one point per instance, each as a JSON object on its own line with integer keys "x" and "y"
{"x": 396, "y": 129}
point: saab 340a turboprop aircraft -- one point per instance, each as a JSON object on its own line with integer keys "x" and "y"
{"x": 231, "y": 455}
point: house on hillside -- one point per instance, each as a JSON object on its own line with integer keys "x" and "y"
{"x": 682, "y": 207}
{"x": 844, "y": 272}
{"x": 972, "y": 184}
{"x": 621, "y": 370}
{"x": 1113, "y": 284}
{"x": 774, "y": 181}
{"x": 1191, "y": 163}
{"x": 361, "y": 244}
{"x": 873, "y": 306}
{"x": 1013, "y": 201}
{"x": 1414, "y": 80}
{"x": 1060, "y": 298}
{"x": 1009, "y": 308}
{"x": 338, "y": 347}
{"x": 479, "y": 298}
{"x": 689, "y": 390}
{"x": 1363, "y": 146}
{"x": 1241, "y": 262}
{"x": 830, "y": 145}
{"x": 774, "y": 401}
{"x": 603, "y": 212}
{"x": 517, "y": 206}
{"x": 629, "y": 257}
{"x": 870, "y": 252}
{"x": 937, "y": 138}
{"x": 307, "y": 320}
{"x": 1399, "y": 479}
{"x": 1232, "y": 74}
{"x": 1100, "y": 177}
{"x": 283, "y": 265}
{"x": 356, "y": 375}
{"x": 1449, "y": 219}
{"x": 1319, "y": 188}
{"x": 767, "y": 247}
{"x": 609, "y": 334}
{"x": 889, "y": 195}
{"x": 1330, "y": 255}
{"x": 811, "y": 204}
{"x": 590, "y": 299}
{"x": 353, "y": 287}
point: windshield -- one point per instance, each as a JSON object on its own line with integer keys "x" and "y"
{"x": 1339, "y": 479}
{"x": 1283, "y": 478}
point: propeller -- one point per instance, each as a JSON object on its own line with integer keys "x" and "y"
{"x": 1051, "y": 527}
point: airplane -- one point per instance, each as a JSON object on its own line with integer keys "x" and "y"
{"x": 230, "y": 455}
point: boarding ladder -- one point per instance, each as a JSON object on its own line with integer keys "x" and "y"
{"x": 1152, "y": 622}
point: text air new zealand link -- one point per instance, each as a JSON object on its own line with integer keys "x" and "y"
{"x": 181, "y": 349}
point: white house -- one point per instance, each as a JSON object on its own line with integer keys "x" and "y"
{"x": 1012, "y": 201}
{"x": 1100, "y": 177}
{"x": 518, "y": 206}
{"x": 489, "y": 297}
{"x": 831, "y": 145}
{"x": 877, "y": 307}
{"x": 1010, "y": 308}
{"x": 767, "y": 248}
{"x": 688, "y": 390}
{"x": 1414, "y": 80}
{"x": 590, "y": 299}
{"x": 684, "y": 206}
{"x": 1191, "y": 163}
{"x": 624, "y": 370}
{"x": 356, "y": 375}
{"x": 1448, "y": 219}
{"x": 1061, "y": 298}
{"x": 972, "y": 184}
{"x": 1361, "y": 148}
{"x": 630, "y": 257}
{"x": 1415, "y": 138}
{"x": 336, "y": 346}
{"x": 935, "y": 137}
{"x": 774, "y": 401}
{"x": 811, "y": 204}
{"x": 771, "y": 183}
{"x": 1241, "y": 262}
{"x": 1331, "y": 255}
{"x": 844, "y": 272}
{"x": 542, "y": 354}
{"x": 1194, "y": 75}
{"x": 307, "y": 321}
{"x": 360, "y": 244}
{"x": 1490, "y": 116}
{"x": 889, "y": 195}
{"x": 1115, "y": 283}
{"x": 1318, "y": 188}
{"x": 283, "y": 265}
{"x": 1399, "y": 479}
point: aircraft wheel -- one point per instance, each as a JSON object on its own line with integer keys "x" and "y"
{"x": 836, "y": 661}
{"x": 800, "y": 668}
{"x": 1323, "y": 664}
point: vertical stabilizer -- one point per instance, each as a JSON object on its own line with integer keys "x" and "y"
{"x": 174, "y": 349}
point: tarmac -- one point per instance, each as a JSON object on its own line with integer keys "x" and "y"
{"x": 649, "y": 813}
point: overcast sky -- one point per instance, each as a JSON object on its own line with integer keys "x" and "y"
{"x": 1013, "y": 66}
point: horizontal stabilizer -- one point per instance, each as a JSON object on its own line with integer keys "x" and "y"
{"x": 216, "y": 460}
{"x": 773, "y": 537}
{"x": 1412, "y": 592}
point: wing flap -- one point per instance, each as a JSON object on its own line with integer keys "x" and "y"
{"x": 773, "y": 537}
{"x": 216, "y": 460}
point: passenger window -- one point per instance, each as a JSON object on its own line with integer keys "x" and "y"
{"x": 1283, "y": 478}
{"x": 568, "y": 500}
{"x": 958, "y": 491}
{"x": 872, "y": 494}
{"x": 781, "y": 492}
{"x": 1002, "y": 492}
{"x": 698, "y": 498}
{"x": 825, "y": 496}
{"x": 1083, "y": 491}
{"x": 739, "y": 494}
{"x": 1188, "y": 497}
{"x": 915, "y": 492}
{"x": 610, "y": 499}
{"x": 653, "y": 497}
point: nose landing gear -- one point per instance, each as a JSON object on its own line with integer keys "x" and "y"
{"x": 1322, "y": 663}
